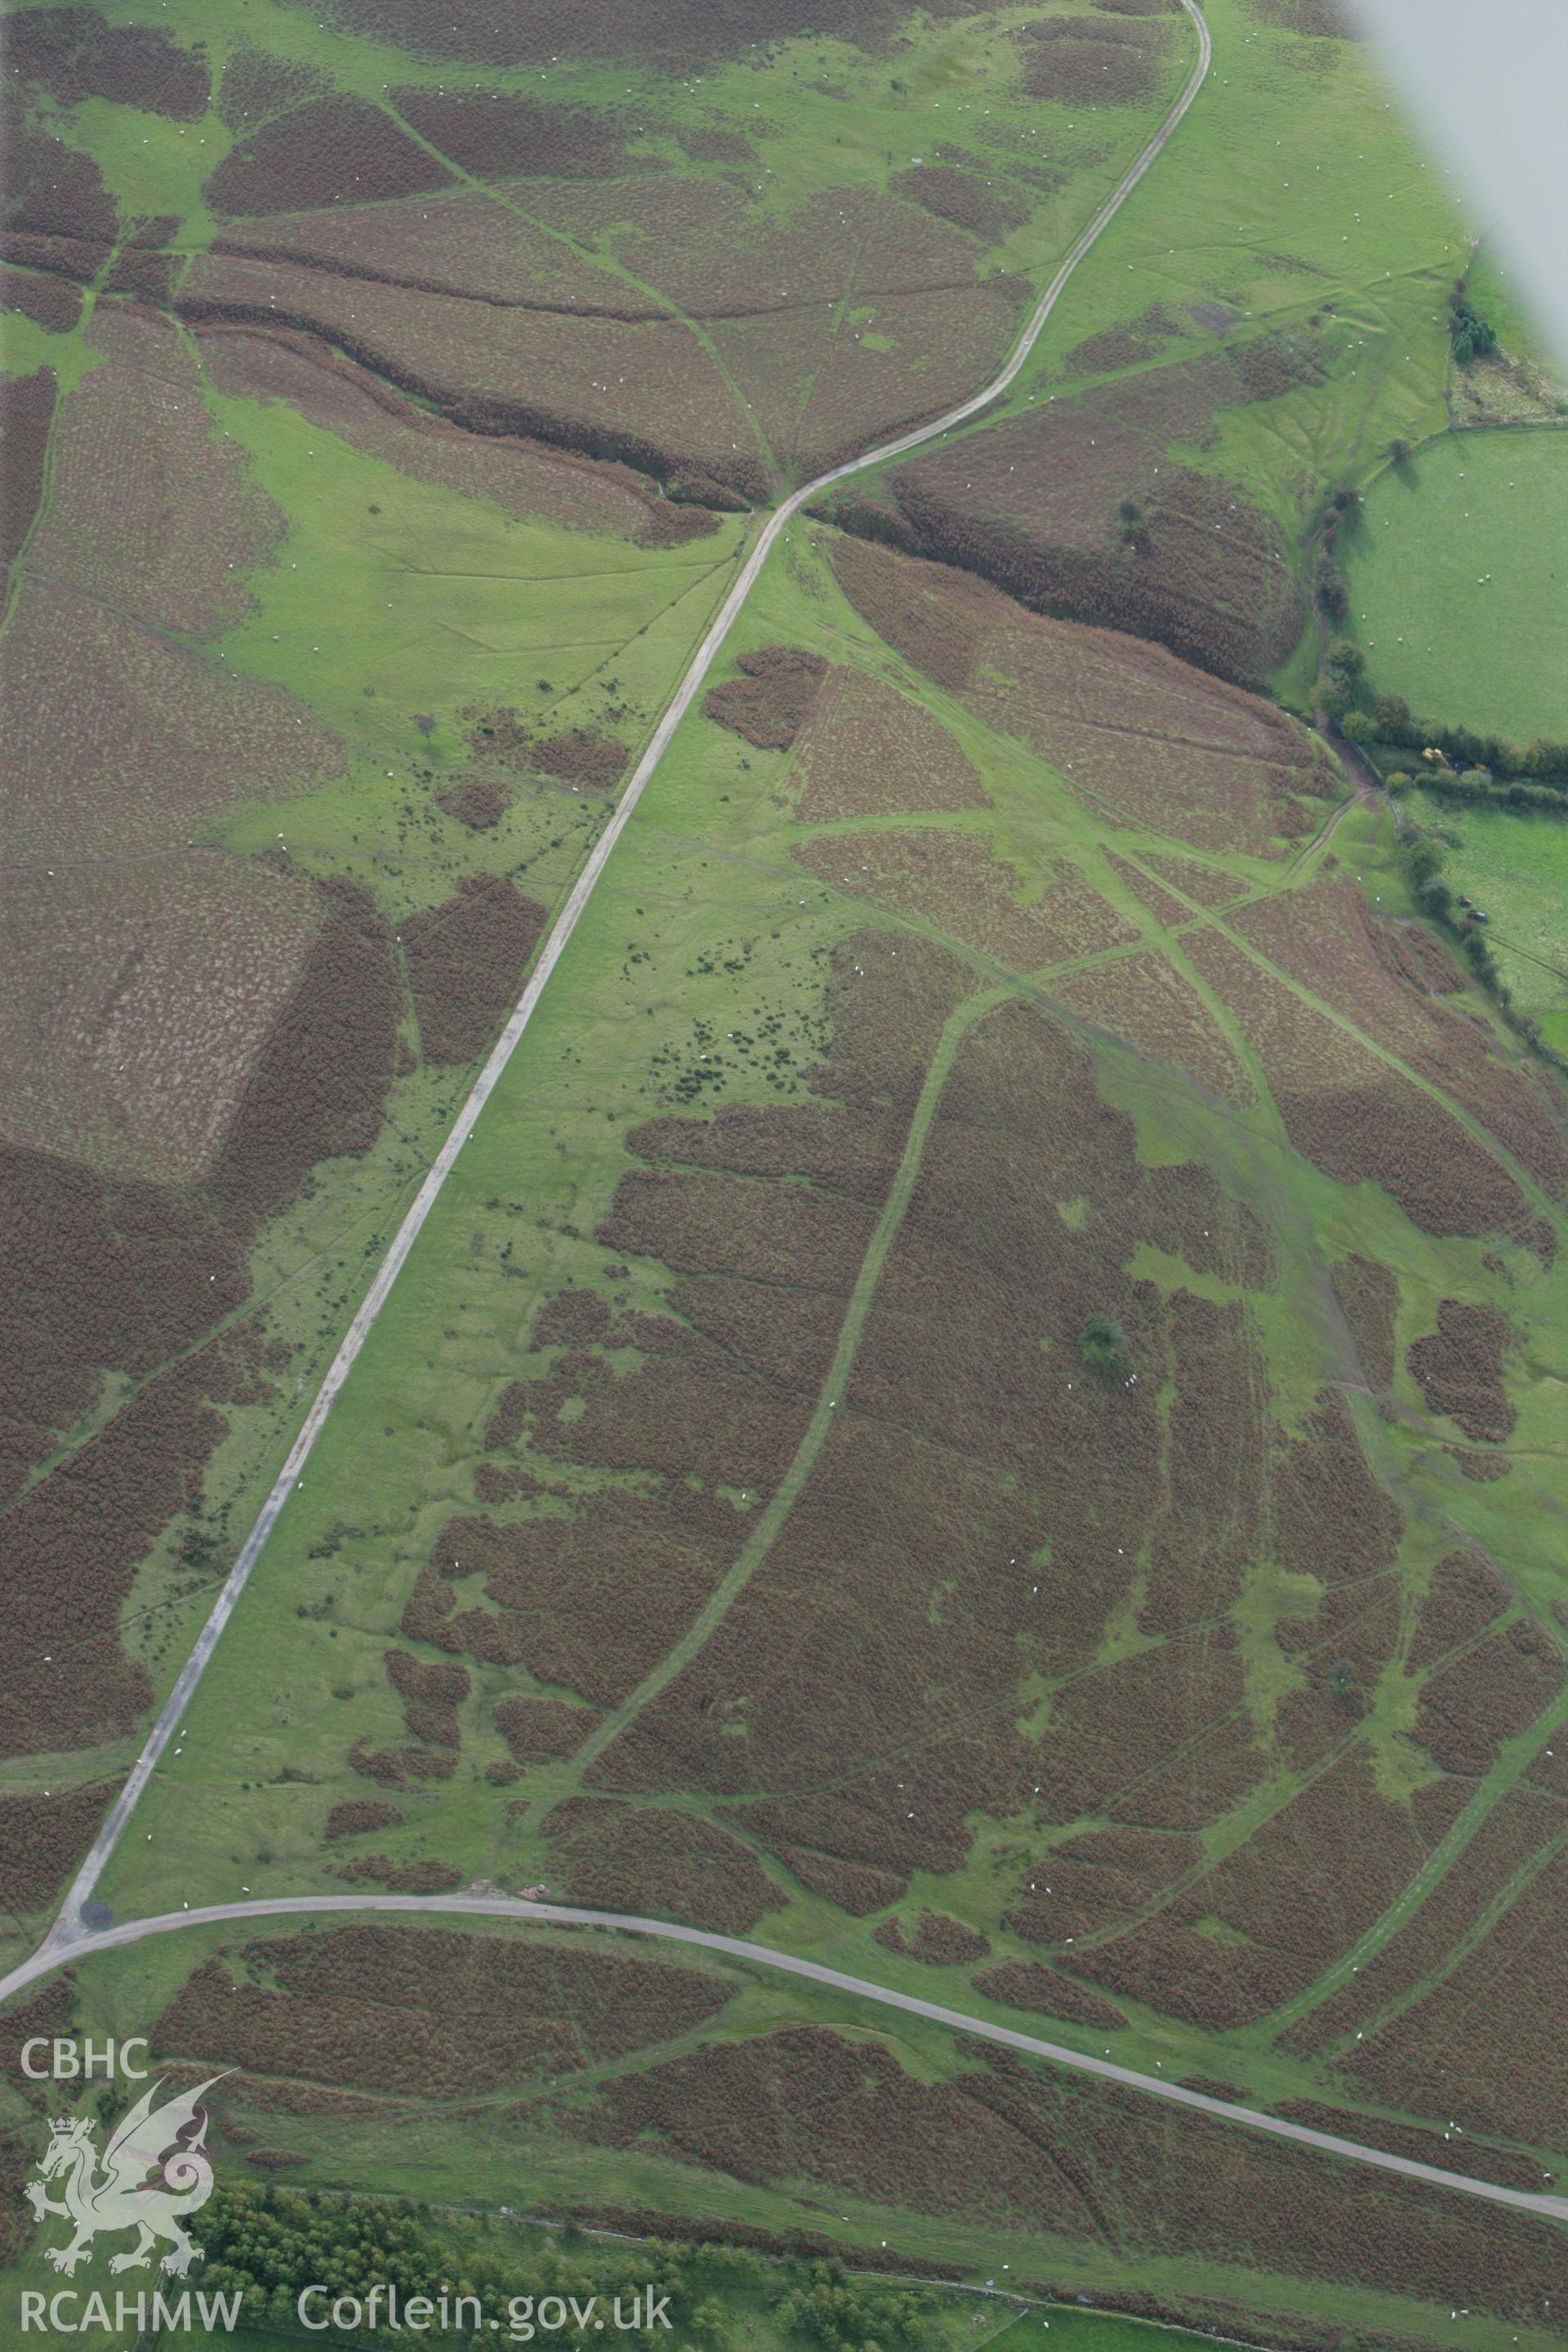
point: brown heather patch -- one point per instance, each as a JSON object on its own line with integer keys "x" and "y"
{"x": 1034, "y": 505}
{"x": 149, "y": 511}
{"x": 1160, "y": 1737}
{"x": 1142, "y": 999}
{"x": 334, "y": 149}
{"x": 145, "y": 278}
{"x": 1324, "y": 19}
{"x": 708, "y": 144}
{"x": 615, "y": 1858}
{"x": 397, "y": 1767}
{"x": 378, "y": 2007}
{"x": 74, "y": 55}
{"x": 98, "y": 1277}
{"x": 1308, "y": 1882}
{"x": 1099, "y": 1879}
{"x": 1030, "y": 1984}
{"x": 436, "y": 244}
{"x": 58, "y": 213}
{"x": 496, "y": 137}
{"x": 581, "y": 755}
{"x": 1458, "y": 1368}
{"x": 1512, "y": 1835}
{"x": 713, "y": 1223}
{"x": 769, "y": 703}
{"x": 953, "y": 881}
{"x": 1368, "y": 1295}
{"x": 537, "y": 1729}
{"x": 358, "y": 1816}
{"x": 1461, "y": 2054}
{"x": 1356, "y": 1625}
{"x": 939, "y": 1941}
{"x": 1359, "y": 1120}
{"x": 966, "y": 1442}
{"x": 868, "y": 751}
{"x": 431, "y": 1696}
{"x": 1212, "y": 886}
{"x": 72, "y": 1545}
{"x": 1123, "y": 346}
{"x": 316, "y": 1089}
{"x": 51, "y": 303}
{"x": 1006, "y": 2145}
{"x": 131, "y": 1277}
{"x": 465, "y": 962}
{"x": 962, "y": 197}
{"x": 1084, "y": 61}
{"x": 677, "y": 39}
{"x": 913, "y": 355}
{"x": 159, "y": 737}
{"x": 472, "y": 801}
{"x": 1331, "y": 1518}
{"x": 1149, "y": 738}
{"x": 525, "y": 477}
{"x": 1549, "y": 1768}
{"x": 935, "y": 617}
{"x": 1489, "y": 1694}
{"x": 139, "y": 997}
{"x": 26, "y": 412}
{"x": 48, "y": 2008}
{"x": 1165, "y": 908}
{"x": 855, "y": 1887}
{"x": 1328, "y": 939}
{"x": 43, "y": 1837}
{"x": 640, "y": 392}
{"x": 428, "y": 1877}
{"x": 1482, "y": 1467}
{"x": 590, "y": 1604}
{"x": 257, "y": 83}
{"x": 1417, "y": 956}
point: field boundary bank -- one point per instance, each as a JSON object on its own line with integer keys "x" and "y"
{"x": 67, "y": 1928}
{"x": 558, "y": 1914}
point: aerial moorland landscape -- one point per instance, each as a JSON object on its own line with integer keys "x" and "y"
{"x": 783, "y": 1139}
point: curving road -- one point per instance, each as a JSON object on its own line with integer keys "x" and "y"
{"x": 375, "y": 1298}
{"x": 559, "y": 1915}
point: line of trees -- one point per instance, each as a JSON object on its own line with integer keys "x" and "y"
{"x": 1476, "y": 766}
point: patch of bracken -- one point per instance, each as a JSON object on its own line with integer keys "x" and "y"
{"x": 466, "y": 960}
{"x": 1458, "y": 1368}
{"x": 771, "y": 700}
{"x": 318, "y": 1085}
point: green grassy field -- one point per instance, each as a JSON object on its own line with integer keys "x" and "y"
{"x": 1515, "y": 868}
{"x": 1458, "y": 582}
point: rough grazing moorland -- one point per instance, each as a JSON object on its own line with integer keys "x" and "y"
{"x": 981, "y": 1401}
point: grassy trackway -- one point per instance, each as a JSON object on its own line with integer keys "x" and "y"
{"x": 829, "y": 1397}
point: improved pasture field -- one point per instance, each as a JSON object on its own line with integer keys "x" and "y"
{"x": 1458, "y": 590}
{"x": 1515, "y": 868}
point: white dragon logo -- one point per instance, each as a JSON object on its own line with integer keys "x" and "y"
{"x": 147, "y": 2142}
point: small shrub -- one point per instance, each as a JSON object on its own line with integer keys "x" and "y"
{"x": 1102, "y": 1344}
